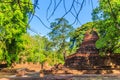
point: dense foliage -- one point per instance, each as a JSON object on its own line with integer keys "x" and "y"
{"x": 107, "y": 17}
{"x": 36, "y": 49}
{"x": 13, "y": 24}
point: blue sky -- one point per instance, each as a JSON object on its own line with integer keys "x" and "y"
{"x": 38, "y": 27}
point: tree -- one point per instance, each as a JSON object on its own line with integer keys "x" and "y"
{"x": 33, "y": 49}
{"x": 108, "y": 21}
{"x": 13, "y": 24}
{"x": 60, "y": 34}
{"x": 36, "y": 49}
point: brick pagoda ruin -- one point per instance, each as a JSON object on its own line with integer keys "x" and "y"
{"x": 87, "y": 56}
{"x": 88, "y": 44}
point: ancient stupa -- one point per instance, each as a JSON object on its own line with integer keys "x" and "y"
{"x": 85, "y": 56}
{"x": 88, "y": 44}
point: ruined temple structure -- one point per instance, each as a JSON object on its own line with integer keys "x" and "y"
{"x": 88, "y": 44}
{"x": 87, "y": 56}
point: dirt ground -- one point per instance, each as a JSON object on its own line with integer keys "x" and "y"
{"x": 57, "y": 72}
{"x": 69, "y": 77}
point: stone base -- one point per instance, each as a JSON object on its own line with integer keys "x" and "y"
{"x": 77, "y": 61}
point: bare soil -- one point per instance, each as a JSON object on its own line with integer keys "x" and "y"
{"x": 57, "y": 72}
{"x": 69, "y": 77}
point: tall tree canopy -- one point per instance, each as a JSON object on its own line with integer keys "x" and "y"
{"x": 107, "y": 17}
{"x": 60, "y": 34}
{"x": 13, "y": 24}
